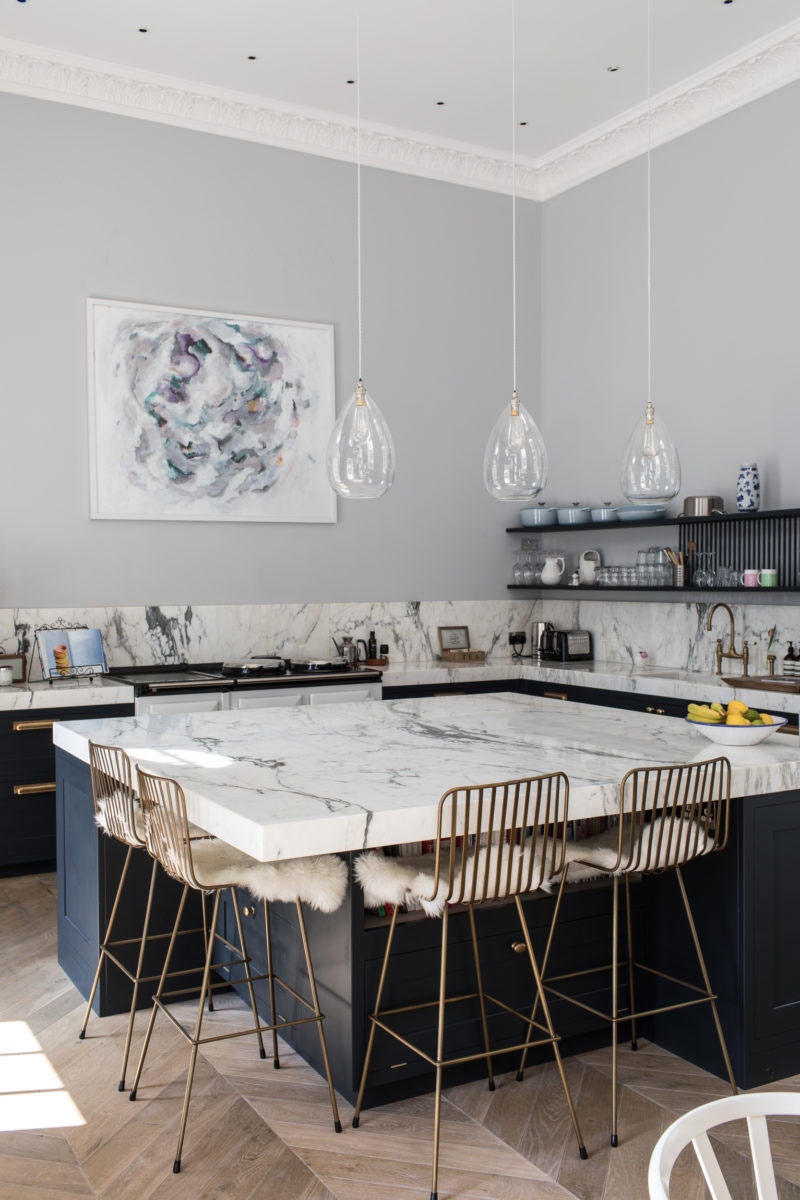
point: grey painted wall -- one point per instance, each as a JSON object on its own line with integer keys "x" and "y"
{"x": 101, "y": 205}
{"x": 726, "y": 318}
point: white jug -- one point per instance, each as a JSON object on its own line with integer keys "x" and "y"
{"x": 553, "y": 569}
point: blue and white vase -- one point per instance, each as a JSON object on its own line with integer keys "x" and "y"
{"x": 748, "y": 488}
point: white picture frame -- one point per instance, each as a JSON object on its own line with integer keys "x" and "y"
{"x": 199, "y": 415}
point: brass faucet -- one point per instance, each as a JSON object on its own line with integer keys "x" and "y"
{"x": 731, "y": 652}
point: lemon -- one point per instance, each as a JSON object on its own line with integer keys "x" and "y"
{"x": 737, "y": 706}
{"x": 766, "y": 719}
{"x": 736, "y": 718}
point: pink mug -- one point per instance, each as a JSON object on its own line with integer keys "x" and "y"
{"x": 752, "y": 578}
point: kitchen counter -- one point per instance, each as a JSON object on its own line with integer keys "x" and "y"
{"x": 609, "y": 676}
{"x": 280, "y": 783}
{"x": 64, "y": 693}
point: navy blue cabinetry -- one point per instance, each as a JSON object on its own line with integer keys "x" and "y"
{"x": 28, "y": 780}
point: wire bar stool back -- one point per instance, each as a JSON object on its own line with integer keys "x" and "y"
{"x": 670, "y": 815}
{"x": 167, "y": 826}
{"x": 112, "y": 793}
{"x": 501, "y": 839}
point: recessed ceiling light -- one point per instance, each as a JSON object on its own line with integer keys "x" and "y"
{"x": 251, "y": 58}
{"x": 142, "y": 30}
{"x": 349, "y": 80}
{"x": 439, "y": 103}
{"x": 612, "y": 69}
{"x": 523, "y": 122}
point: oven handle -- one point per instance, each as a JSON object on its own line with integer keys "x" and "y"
{"x": 213, "y": 685}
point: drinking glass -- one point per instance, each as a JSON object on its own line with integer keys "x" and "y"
{"x": 703, "y": 574}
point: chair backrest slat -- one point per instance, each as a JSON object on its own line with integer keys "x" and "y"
{"x": 763, "y": 1168}
{"x": 501, "y": 839}
{"x": 712, "y": 1172}
{"x": 669, "y": 815}
{"x": 112, "y": 793}
{"x": 167, "y": 826}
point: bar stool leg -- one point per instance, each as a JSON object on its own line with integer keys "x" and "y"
{"x": 248, "y": 974}
{"x": 476, "y": 956}
{"x": 176, "y": 1166}
{"x": 437, "y": 1115}
{"x": 109, "y": 927}
{"x": 205, "y": 944}
{"x": 548, "y": 1021}
{"x": 337, "y": 1124}
{"x": 706, "y": 981}
{"x": 614, "y": 1009}
{"x": 545, "y": 960}
{"x": 272, "y": 1010}
{"x": 372, "y": 1025}
{"x": 159, "y": 990}
{"x": 631, "y": 995}
{"x": 139, "y": 968}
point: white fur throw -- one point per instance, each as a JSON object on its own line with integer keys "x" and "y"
{"x": 101, "y": 821}
{"x": 599, "y": 854}
{"x": 410, "y": 881}
{"x": 319, "y": 881}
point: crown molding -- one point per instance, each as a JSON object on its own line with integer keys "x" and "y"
{"x": 756, "y": 70}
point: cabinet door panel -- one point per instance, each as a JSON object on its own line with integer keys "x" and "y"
{"x": 275, "y": 698}
{"x": 775, "y": 905}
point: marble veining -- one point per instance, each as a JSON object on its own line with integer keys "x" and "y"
{"x": 280, "y": 783}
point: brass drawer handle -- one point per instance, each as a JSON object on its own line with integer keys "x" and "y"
{"x": 33, "y": 789}
{"x": 661, "y": 712}
{"x": 519, "y": 947}
{"x": 650, "y": 709}
{"x": 248, "y": 911}
{"x": 31, "y": 726}
{"x": 555, "y": 695}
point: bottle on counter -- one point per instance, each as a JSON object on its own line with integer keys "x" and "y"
{"x": 384, "y": 652}
{"x": 790, "y": 663}
{"x": 372, "y": 645}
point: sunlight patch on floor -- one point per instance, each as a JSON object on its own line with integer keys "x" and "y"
{"x": 32, "y": 1095}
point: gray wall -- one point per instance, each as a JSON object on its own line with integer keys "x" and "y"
{"x": 726, "y": 319}
{"x": 101, "y": 205}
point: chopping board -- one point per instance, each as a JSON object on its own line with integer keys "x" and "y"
{"x": 764, "y": 683}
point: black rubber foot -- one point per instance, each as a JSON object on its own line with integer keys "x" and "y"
{"x": 520, "y": 1076}
{"x": 121, "y": 1085}
{"x": 434, "y": 1196}
{"x": 276, "y": 1062}
{"x": 614, "y": 1140}
{"x": 634, "y": 1045}
{"x": 337, "y": 1126}
{"x": 133, "y": 1094}
{"x": 211, "y": 1006}
{"x": 176, "y": 1167}
{"x": 262, "y": 1053}
{"x": 583, "y": 1152}
{"x": 491, "y": 1085}
{"x": 81, "y": 1035}
{"x": 355, "y": 1122}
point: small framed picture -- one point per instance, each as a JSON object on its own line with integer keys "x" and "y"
{"x": 453, "y": 637}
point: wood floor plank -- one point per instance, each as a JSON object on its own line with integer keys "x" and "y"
{"x": 43, "y": 1173}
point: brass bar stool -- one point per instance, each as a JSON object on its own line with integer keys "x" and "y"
{"x": 118, "y": 814}
{"x": 668, "y": 816}
{"x": 213, "y": 866}
{"x": 496, "y": 842}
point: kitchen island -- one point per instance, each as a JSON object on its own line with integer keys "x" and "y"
{"x": 282, "y": 783}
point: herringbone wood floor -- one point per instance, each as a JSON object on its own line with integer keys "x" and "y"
{"x": 255, "y": 1133}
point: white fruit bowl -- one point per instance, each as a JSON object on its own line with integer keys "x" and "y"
{"x": 737, "y": 735}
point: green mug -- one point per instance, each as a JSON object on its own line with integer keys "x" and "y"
{"x": 768, "y": 578}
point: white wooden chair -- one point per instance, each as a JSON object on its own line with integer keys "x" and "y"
{"x": 694, "y": 1126}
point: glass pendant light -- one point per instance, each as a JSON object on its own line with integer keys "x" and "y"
{"x": 651, "y": 469}
{"x": 360, "y": 456}
{"x": 515, "y": 459}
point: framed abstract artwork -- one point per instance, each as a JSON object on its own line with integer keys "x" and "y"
{"x": 207, "y": 416}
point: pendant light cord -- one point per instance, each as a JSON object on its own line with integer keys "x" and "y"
{"x": 649, "y": 205}
{"x": 514, "y": 194}
{"x": 358, "y": 191}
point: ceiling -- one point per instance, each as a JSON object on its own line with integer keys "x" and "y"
{"x": 415, "y": 53}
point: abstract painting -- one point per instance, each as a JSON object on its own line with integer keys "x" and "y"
{"x": 205, "y": 416}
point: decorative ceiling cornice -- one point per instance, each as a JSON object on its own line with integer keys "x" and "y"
{"x": 69, "y": 79}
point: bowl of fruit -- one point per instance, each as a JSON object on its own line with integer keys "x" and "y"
{"x": 736, "y": 725}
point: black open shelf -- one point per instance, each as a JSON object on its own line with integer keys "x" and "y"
{"x": 665, "y": 522}
{"x": 597, "y": 593}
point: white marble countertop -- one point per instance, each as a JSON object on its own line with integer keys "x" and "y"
{"x": 281, "y": 783}
{"x": 666, "y": 682}
{"x": 66, "y": 693}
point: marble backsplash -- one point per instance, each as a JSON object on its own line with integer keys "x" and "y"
{"x": 664, "y": 635}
